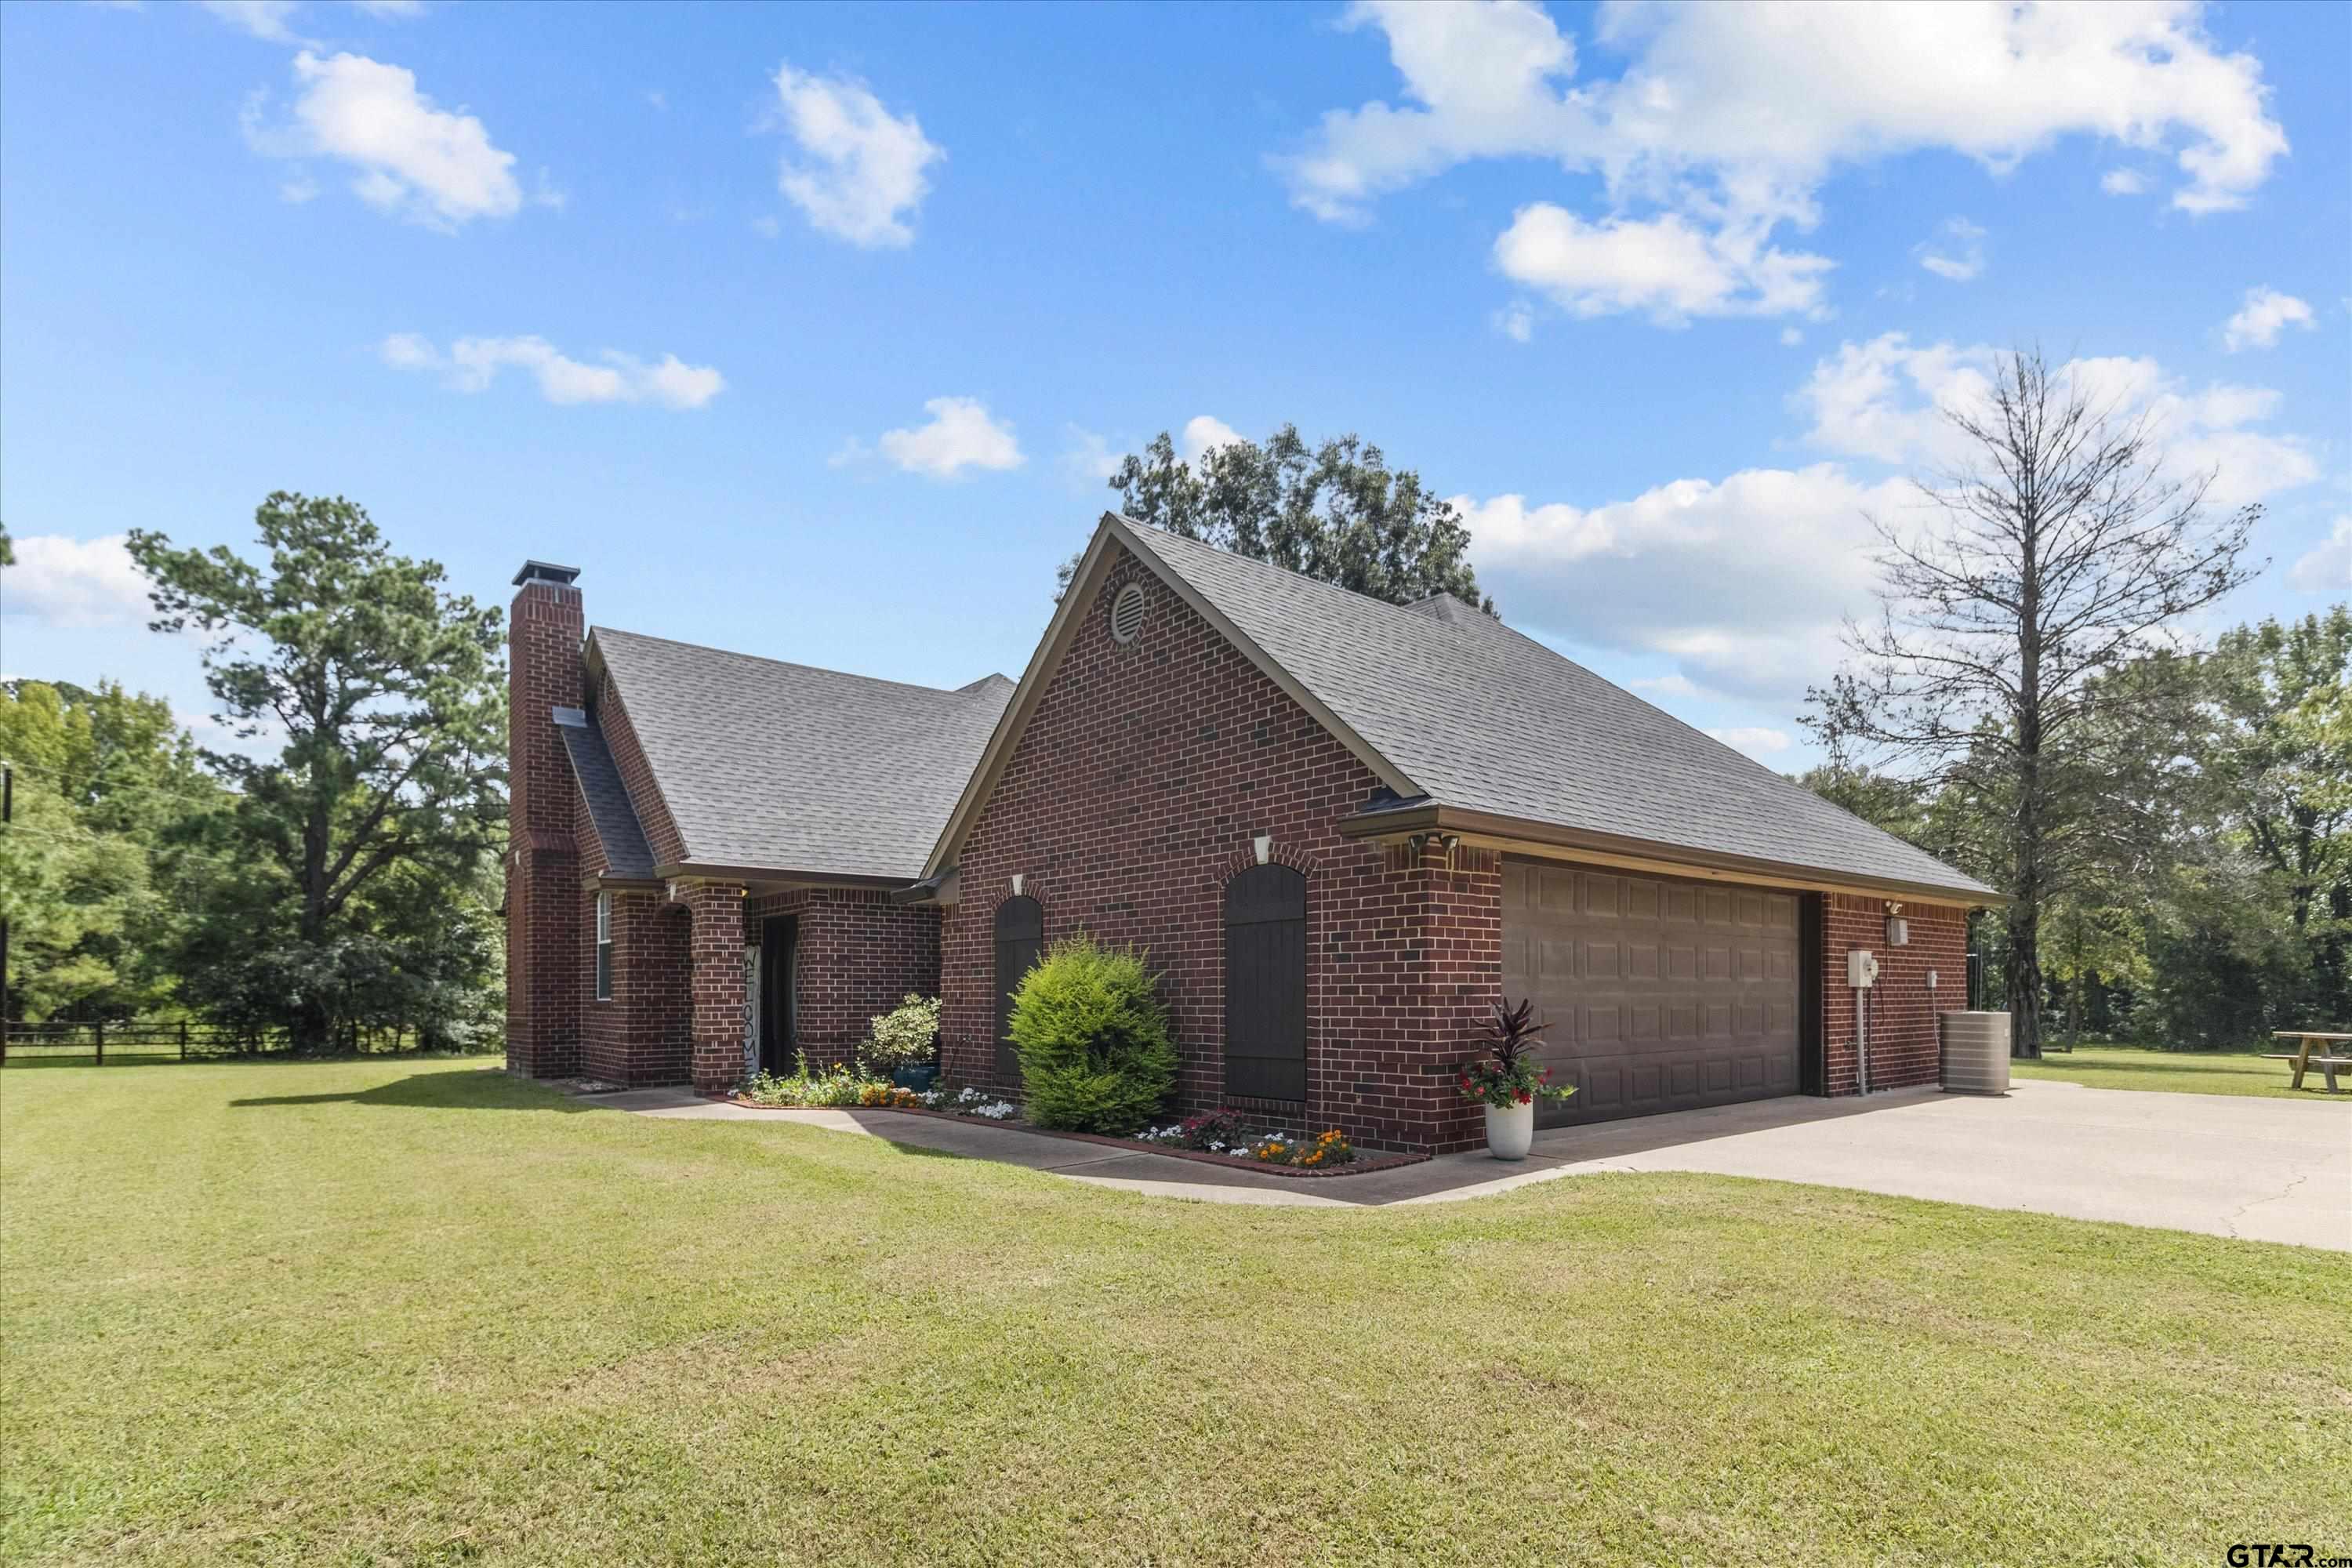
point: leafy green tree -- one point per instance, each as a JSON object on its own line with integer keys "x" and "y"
{"x": 1337, "y": 513}
{"x": 343, "y": 880}
{"x": 103, "y": 780}
{"x": 2280, "y": 755}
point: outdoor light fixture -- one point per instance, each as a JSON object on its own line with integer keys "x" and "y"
{"x": 1017, "y": 880}
{"x": 1265, "y": 842}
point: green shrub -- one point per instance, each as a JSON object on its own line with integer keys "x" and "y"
{"x": 908, "y": 1033}
{"x": 1093, "y": 1040}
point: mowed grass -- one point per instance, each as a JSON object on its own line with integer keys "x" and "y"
{"x": 421, "y": 1312}
{"x": 2184, "y": 1072}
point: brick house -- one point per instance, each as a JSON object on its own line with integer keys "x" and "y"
{"x": 703, "y": 846}
{"x": 1341, "y": 827}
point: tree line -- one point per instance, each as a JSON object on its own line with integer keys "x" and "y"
{"x": 334, "y": 868}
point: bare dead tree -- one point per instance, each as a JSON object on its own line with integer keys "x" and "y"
{"x": 2061, "y": 555}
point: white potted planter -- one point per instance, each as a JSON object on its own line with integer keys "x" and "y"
{"x": 1510, "y": 1130}
{"x": 1506, "y": 1080}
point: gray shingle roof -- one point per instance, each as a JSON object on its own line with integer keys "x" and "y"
{"x": 790, "y": 768}
{"x": 1486, "y": 719}
{"x": 627, "y": 853}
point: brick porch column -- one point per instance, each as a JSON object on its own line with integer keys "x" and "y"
{"x": 716, "y": 1005}
{"x": 1453, "y": 972}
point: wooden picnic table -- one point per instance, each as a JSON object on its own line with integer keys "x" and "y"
{"x": 2305, "y": 1061}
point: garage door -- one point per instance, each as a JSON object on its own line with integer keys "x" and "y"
{"x": 1663, "y": 995}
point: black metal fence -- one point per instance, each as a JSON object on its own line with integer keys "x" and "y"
{"x": 132, "y": 1040}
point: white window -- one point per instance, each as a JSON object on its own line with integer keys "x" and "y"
{"x": 603, "y": 947}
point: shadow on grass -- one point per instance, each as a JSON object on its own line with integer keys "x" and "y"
{"x": 487, "y": 1090}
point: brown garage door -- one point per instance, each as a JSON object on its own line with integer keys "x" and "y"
{"x": 1663, "y": 995}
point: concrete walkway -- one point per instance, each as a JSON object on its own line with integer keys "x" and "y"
{"x": 2266, "y": 1170}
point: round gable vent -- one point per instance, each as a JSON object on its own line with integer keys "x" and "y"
{"x": 1126, "y": 612}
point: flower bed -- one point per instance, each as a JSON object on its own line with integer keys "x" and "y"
{"x": 1274, "y": 1151}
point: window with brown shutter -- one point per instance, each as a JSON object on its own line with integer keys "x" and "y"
{"x": 1020, "y": 934}
{"x": 1265, "y": 984}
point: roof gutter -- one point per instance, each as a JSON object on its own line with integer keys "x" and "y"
{"x": 940, "y": 890}
{"x": 710, "y": 872}
{"x": 1487, "y": 830}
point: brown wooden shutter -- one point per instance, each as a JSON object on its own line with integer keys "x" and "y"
{"x": 1020, "y": 934}
{"x": 1265, "y": 984}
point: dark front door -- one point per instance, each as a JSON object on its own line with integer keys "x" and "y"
{"x": 1020, "y": 934}
{"x": 1663, "y": 994}
{"x": 778, "y": 938}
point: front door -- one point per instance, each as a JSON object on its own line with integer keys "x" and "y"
{"x": 778, "y": 938}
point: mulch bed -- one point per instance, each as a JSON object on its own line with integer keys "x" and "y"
{"x": 1365, "y": 1162}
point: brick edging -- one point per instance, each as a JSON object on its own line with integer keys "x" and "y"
{"x": 1362, "y": 1166}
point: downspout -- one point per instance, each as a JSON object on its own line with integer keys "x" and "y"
{"x": 1861, "y": 1038}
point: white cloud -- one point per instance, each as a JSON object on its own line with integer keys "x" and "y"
{"x": 1668, "y": 267}
{"x": 69, "y": 581}
{"x": 1728, "y": 120}
{"x": 1742, "y": 582}
{"x": 1755, "y": 740}
{"x": 1790, "y": 337}
{"x": 1888, "y": 400}
{"x": 1204, "y": 434}
{"x": 430, "y": 165}
{"x": 961, "y": 435}
{"x": 2257, "y": 323}
{"x": 1088, "y": 461}
{"x": 2124, "y": 182}
{"x": 1516, "y": 322}
{"x": 2327, "y": 567}
{"x": 268, "y": 20}
{"x": 860, "y": 175}
{"x": 472, "y": 364}
{"x": 393, "y": 10}
{"x": 1958, "y": 254}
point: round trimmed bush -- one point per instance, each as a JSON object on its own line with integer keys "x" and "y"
{"x": 1093, "y": 1040}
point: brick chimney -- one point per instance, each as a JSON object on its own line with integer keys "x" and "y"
{"x": 544, "y": 952}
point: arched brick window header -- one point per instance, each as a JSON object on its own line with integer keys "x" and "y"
{"x": 1277, "y": 854}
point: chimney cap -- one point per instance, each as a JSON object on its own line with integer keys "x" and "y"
{"x": 545, "y": 572}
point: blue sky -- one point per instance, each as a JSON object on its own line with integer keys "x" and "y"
{"x": 808, "y": 330}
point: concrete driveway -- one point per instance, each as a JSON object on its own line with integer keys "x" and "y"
{"x": 2267, "y": 1170}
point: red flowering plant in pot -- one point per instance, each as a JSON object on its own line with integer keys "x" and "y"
{"x": 1508, "y": 1080}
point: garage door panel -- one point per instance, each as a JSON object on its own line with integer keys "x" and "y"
{"x": 1662, "y": 994}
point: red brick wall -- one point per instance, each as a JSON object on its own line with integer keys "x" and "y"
{"x": 542, "y": 868}
{"x": 1136, "y": 790}
{"x": 640, "y": 1036}
{"x": 1904, "y": 1051}
{"x": 858, "y": 954}
{"x": 716, "y": 1004}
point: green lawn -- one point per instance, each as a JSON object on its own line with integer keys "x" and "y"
{"x": 2180, "y": 1072}
{"x": 419, "y": 1312}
